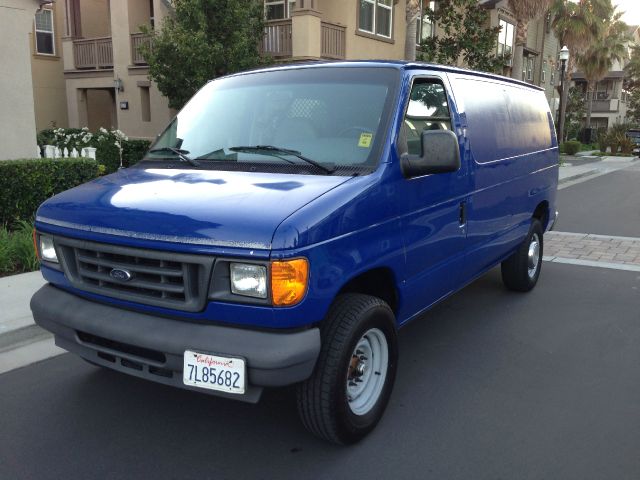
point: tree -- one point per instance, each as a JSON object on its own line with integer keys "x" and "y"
{"x": 577, "y": 25}
{"x": 574, "y": 112}
{"x": 633, "y": 109}
{"x": 525, "y": 11}
{"x": 467, "y": 36}
{"x": 412, "y": 13}
{"x": 203, "y": 40}
{"x": 598, "y": 59}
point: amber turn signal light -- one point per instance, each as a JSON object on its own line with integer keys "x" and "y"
{"x": 289, "y": 280}
{"x": 35, "y": 244}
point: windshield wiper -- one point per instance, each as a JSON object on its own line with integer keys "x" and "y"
{"x": 180, "y": 153}
{"x": 274, "y": 151}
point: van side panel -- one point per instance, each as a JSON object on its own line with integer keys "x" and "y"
{"x": 513, "y": 156}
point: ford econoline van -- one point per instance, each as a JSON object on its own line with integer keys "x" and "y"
{"x": 289, "y": 221}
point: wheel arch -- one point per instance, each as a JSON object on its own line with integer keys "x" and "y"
{"x": 541, "y": 212}
{"x": 379, "y": 282}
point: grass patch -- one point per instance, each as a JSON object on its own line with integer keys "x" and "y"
{"x": 16, "y": 249}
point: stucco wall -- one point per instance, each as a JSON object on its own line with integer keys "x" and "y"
{"x": 17, "y": 118}
{"x": 49, "y": 92}
{"x": 95, "y": 18}
{"x": 359, "y": 46}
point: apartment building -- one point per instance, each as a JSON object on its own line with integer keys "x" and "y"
{"x": 85, "y": 52}
{"x": 106, "y": 79}
{"x": 540, "y": 64}
{"x": 609, "y": 97}
{"x": 17, "y": 117}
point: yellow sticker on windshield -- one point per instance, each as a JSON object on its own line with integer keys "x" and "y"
{"x": 365, "y": 140}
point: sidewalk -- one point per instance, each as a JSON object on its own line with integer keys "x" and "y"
{"x": 585, "y": 165}
{"x": 21, "y": 341}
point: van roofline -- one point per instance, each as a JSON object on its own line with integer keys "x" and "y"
{"x": 402, "y": 65}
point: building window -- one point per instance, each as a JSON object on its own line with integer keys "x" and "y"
{"x": 376, "y": 17}
{"x": 425, "y": 27}
{"x": 44, "y": 32}
{"x": 278, "y": 9}
{"x": 527, "y": 69}
{"x": 145, "y": 104}
{"x": 543, "y": 75}
{"x": 505, "y": 40}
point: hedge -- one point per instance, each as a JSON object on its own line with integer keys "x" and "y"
{"x": 25, "y": 184}
{"x": 571, "y": 147}
{"x": 132, "y": 152}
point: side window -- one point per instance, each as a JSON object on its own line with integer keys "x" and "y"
{"x": 44, "y": 32}
{"x": 427, "y": 110}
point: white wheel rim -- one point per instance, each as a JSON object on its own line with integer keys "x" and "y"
{"x": 367, "y": 371}
{"x": 533, "y": 256}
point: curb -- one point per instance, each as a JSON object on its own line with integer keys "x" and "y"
{"x": 577, "y": 176}
{"x": 22, "y": 336}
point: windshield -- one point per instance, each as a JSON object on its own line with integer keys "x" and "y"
{"x": 334, "y": 117}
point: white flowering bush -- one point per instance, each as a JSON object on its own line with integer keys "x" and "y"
{"x": 113, "y": 148}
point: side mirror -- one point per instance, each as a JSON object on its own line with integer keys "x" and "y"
{"x": 440, "y": 154}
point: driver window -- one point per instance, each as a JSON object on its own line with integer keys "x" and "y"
{"x": 427, "y": 110}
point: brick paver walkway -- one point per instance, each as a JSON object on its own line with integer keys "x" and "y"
{"x": 593, "y": 248}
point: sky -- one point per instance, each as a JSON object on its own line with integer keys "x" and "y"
{"x": 631, "y": 9}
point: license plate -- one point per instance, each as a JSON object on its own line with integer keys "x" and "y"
{"x": 224, "y": 374}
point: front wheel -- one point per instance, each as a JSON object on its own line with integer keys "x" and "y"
{"x": 521, "y": 270}
{"x": 349, "y": 389}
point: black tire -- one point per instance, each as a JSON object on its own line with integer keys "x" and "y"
{"x": 322, "y": 400}
{"x": 516, "y": 270}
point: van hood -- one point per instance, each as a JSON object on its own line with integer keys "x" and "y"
{"x": 218, "y": 208}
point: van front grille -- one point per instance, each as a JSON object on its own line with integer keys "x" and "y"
{"x": 145, "y": 276}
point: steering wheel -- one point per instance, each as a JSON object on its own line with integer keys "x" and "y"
{"x": 354, "y": 128}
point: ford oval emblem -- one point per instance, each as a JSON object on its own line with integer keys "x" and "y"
{"x": 120, "y": 274}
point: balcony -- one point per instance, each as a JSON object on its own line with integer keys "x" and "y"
{"x": 137, "y": 40}
{"x": 93, "y": 53}
{"x": 605, "y": 106}
{"x": 278, "y": 40}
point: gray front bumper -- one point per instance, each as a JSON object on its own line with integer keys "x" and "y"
{"x": 152, "y": 347}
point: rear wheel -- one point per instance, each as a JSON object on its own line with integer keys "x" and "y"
{"x": 521, "y": 270}
{"x": 348, "y": 392}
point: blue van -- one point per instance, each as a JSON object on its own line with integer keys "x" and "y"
{"x": 290, "y": 220}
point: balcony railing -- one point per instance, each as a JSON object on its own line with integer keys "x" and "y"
{"x": 277, "y": 39}
{"x": 93, "y": 53}
{"x": 137, "y": 40}
{"x": 333, "y": 41}
{"x": 602, "y": 106}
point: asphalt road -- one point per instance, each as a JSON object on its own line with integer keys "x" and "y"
{"x": 492, "y": 385}
{"x": 607, "y": 205}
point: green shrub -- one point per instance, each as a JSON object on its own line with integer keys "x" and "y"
{"x": 571, "y": 147}
{"x": 133, "y": 151}
{"x": 16, "y": 249}
{"x": 25, "y": 184}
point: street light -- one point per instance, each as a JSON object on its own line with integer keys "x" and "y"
{"x": 564, "y": 56}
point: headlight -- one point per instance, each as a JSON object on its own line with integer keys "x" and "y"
{"x": 47, "y": 250}
{"x": 249, "y": 280}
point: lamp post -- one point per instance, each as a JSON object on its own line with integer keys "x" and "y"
{"x": 564, "y": 56}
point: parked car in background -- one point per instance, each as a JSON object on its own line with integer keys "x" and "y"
{"x": 289, "y": 221}
{"x": 634, "y": 135}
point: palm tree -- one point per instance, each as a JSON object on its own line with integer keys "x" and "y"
{"x": 598, "y": 59}
{"x": 577, "y": 25}
{"x": 580, "y": 24}
{"x": 412, "y": 12}
{"x": 524, "y": 11}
